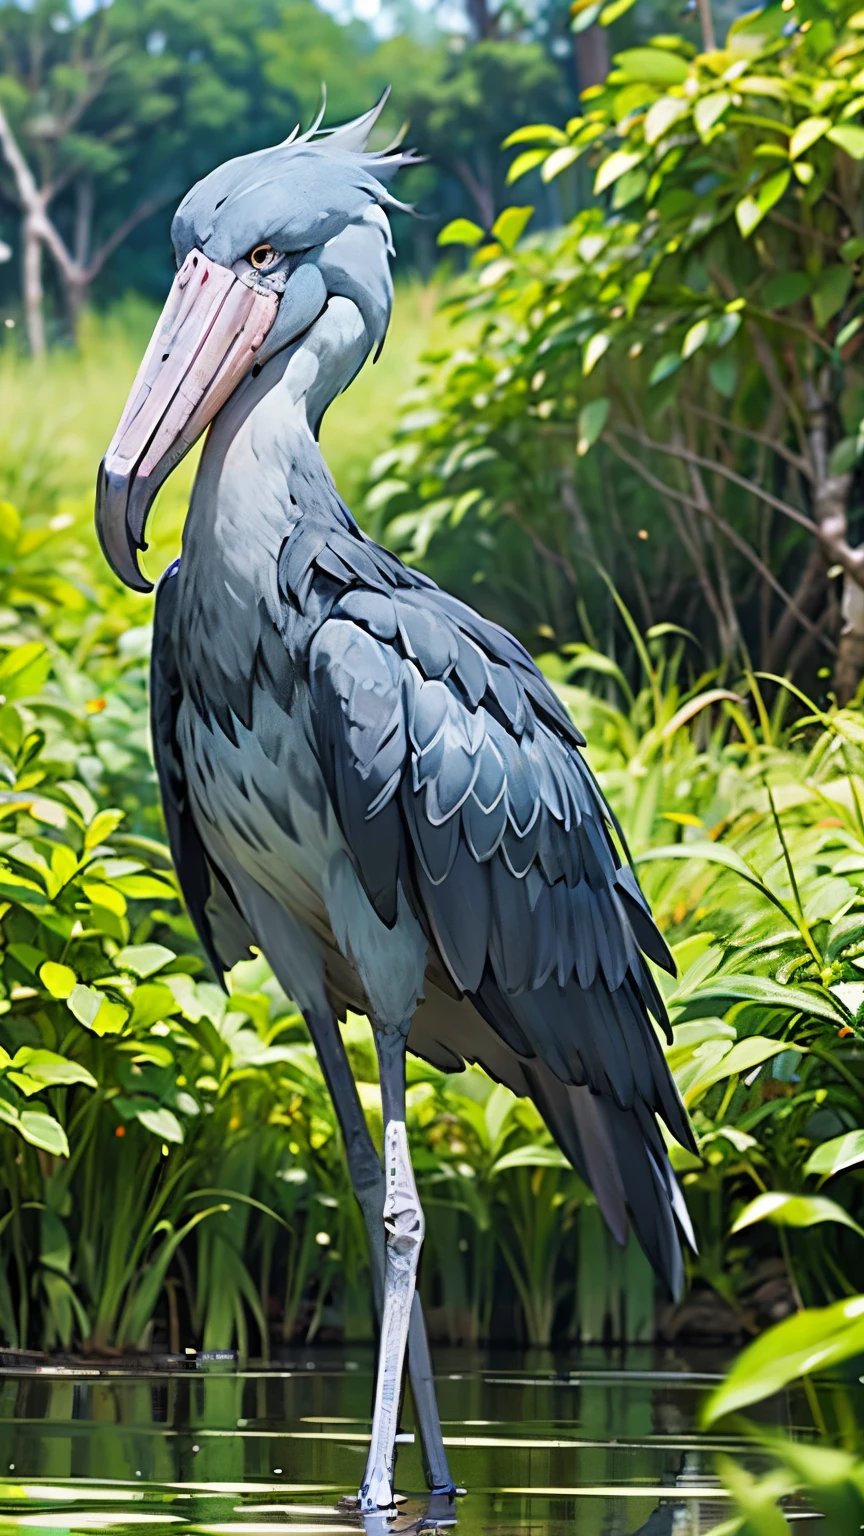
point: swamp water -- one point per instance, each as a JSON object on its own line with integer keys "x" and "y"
{"x": 579, "y": 1447}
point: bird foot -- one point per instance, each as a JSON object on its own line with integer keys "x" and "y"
{"x": 377, "y": 1493}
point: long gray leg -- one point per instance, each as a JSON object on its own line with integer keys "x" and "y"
{"x": 405, "y": 1226}
{"x": 367, "y": 1181}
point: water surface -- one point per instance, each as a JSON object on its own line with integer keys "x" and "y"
{"x": 593, "y": 1446}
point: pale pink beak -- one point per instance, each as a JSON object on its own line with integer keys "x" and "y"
{"x": 210, "y": 330}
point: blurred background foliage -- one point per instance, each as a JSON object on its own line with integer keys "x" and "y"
{"x": 622, "y": 414}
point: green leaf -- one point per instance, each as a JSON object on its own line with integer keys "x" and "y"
{"x": 835, "y": 1155}
{"x": 509, "y": 226}
{"x": 24, "y": 670}
{"x": 612, "y": 12}
{"x": 708, "y": 111}
{"x": 59, "y": 980}
{"x": 101, "y": 827}
{"x": 95, "y": 1011}
{"x": 663, "y": 115}
{"x": 723, "y": 373}
{"x": 714, "y": 853}
{"x": 50, "y": 1070}
{"x": 812, "y": 1340}
{"x": 43, "y": 1131}
{"x": 560, "y": 160}
{"x": 664, "y": 367}
{"x": 527, "y": 161}
{"x": 592, "y": 420}
{"x": 139, "y": 887}
{"x": 586, "y": 16}
{"x": 785, "y": 288}
{"x": 654, "y": 66}
{"x": 741, "y": 1058}
{"x": 461, "y": 232}
{"x": 143, "y": 959}
{"x": 615, "y": 165}
{"x": 794, "y": 1211}
{"x": 695, "y": 338}
{"x": 594, "y": 350}
{"x": 530, "y": 1157}
{"x": 25, "y": 892}
{"x": 830, "y": 292}
{"x": 848, "y": 138}
{"x": 773, "y": 994}
{"x": 843, "y": 456}
{"x": 807, "y": 134}
{"x": 162, "y": 1123}
{"x": 535, "y": 133}
{"x": 750, "y": 211}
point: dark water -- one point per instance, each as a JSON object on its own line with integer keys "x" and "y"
{"x": 579, "y": 1447}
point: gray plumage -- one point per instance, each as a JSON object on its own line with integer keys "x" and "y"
{"x": 360, "y": 774}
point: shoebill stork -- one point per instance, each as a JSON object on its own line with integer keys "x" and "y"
{"x": 360, "y": 775}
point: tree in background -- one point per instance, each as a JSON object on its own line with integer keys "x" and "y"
{"x": 74, "y": 102}
{"x": 107, "y": 118}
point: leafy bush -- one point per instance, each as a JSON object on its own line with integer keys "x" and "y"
{"x": 669, "y": 387}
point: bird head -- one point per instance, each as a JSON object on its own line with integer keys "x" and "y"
{"x": 261, "y": 244}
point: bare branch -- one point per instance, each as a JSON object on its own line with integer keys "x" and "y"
{"x": 725, "y": 528}
{"x": 795, "y": 459}
{"x": 830, "y": 532}
{"x": 25, "y": 182}
{"x": 138, "y": 215}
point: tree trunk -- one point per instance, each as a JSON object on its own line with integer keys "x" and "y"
{"x": 484, "y": 197}
{"x": 76, "y": 297}
{"x": 831, "y": 511}
{"x": 849, "y": 666}
{"x": 591, "y": 51}
{"x": 31, "y": 283}
{"x": 706, "y": 20}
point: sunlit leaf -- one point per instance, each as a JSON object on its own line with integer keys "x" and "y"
{"x": 813, "y": 1340}
{"x": 59, "y": 980}
{"x": 615, "y": 165}
{"x": 51, "y": 1070}
{"x": 560, "y": 160}
{"x": 663, "y": 115}
{"x": 43, "y": 1131}
{"x": 594, "y": 350}
{"x": 535, "y": 133}
{"x": 527, "y": 161}
{"x": 794, "y": 1211}
{"x": 806, "y": 134}
{"x": 708, "y": 111}
{"x": 162, "y": 1123}
{"x": 833, "y": 1156}
{"x": 509, "y": 226}
{"x": 592, "y": 420}
{"x": 530, "y": 1157}
{"x": 655, "y": 66}
{"x": 143, "y": 959}
{"x": 848, "y": 138}
{"x": 461, "y": 232}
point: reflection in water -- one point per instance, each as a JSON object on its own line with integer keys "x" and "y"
{"x": 593, "y": 1452}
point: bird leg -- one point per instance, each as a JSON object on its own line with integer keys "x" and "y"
{"x": 367, "y": 1181}
{"x": 405, "y": 1226}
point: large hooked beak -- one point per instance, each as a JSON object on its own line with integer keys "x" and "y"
{"x": 212, "y": 326}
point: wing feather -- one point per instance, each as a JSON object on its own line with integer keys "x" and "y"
{"x": 456, "y": 772}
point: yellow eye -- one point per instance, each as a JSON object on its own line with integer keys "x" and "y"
{"x": 261, "y": 256}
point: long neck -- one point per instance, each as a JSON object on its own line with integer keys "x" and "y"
{"x": 262, "y": 469}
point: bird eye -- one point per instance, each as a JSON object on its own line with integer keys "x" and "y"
{"x": 261, "y": 256}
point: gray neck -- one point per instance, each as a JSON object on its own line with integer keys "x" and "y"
{"x": 262, "y": 469}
